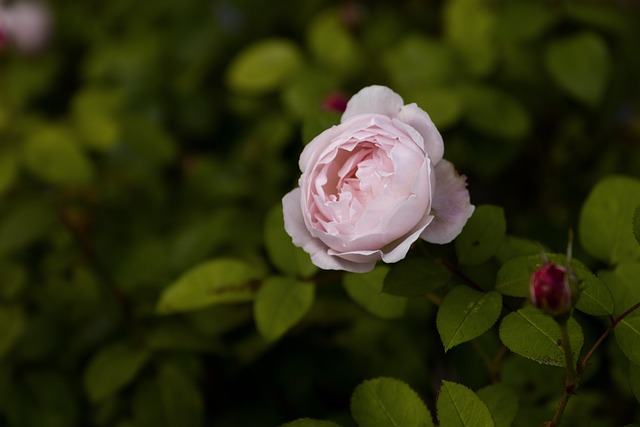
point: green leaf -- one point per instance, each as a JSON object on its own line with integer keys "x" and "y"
{"x": 636, "y": 224}
{"x": 524, "y": 21}
{"x": 494, "y": 112}
{"x": 145, "y": 403}
{"x": 24, "y": 224}
{"x": 384, "y": 402}
{"x": 514, "y": 280}
{"x": 182, "y": 403}
{"x": 623, "y": 285}
{"x": 288, "y": 258}
{"x": 308, "y": 422}
{"x": 466, "y": 314}
{"x": 502, "y": 402}
{"x": 332, "y": 44}
{"x": 627, "y": 334}
{"x": 634, "y": 379}
{"x": 8, "y": 170}
{"x": 469, "y": 28}
{"x": 111, "y": 369}
{"x": 481, "y": 236}
{"x": 52, "y": 154}
{"x": 280, "y": 303}
{"x": 606, "y": 218}
{"x": 220, "y": 281}
{"x": 460, "y": 407}
{"x": 534, "y": 335}
{"x": 417, "y": 62}
{"x": 444, "y": 104}
{"x": 415, "y": 277}
{"x": 11, "y": 327}
{"x": 580, "y": 65}
{"x": 366, "y": 290}
{"x": 263, "y": 66}
{"x": 514, "y": 247}
{"x": 93, "y": 114}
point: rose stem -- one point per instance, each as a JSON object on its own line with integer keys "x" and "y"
{"x": 573, "y": 377}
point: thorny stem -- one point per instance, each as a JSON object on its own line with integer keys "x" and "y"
{"x": 574, "y": 376}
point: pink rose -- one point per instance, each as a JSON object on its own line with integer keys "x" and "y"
{"x": 373, "y": 185}
{"x": 26, "y": 24}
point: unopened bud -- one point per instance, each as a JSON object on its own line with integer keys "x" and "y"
{"x": 550, "y": 289}
{"x": 335, "y": 101}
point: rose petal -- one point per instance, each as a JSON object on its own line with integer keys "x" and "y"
{"x": 294, "y": 226}
{"x": 373, "y": 99}
{"x": 400, "y": 251}
{"x": 450, "y": 205}
{"x": 418, "y": 119}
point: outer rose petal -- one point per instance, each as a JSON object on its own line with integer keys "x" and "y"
{"x": 294, "y": 226}
{"x": 373, "y": 99}
{"x": 418, "y": 119}
{"x": 450, "y": 205}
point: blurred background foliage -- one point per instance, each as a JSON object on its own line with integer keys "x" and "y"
{"x": 152, "y": 136}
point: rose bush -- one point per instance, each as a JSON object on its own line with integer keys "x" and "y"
{"x": 373, "y": 185}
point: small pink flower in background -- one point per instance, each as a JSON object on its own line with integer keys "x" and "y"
{"x": 550, "y": 290}
{"x": 26, "y": 25}
{"x": 335, "y": 101}
{"x": 373, "y": 185}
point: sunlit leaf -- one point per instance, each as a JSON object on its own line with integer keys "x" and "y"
{"x": 263, "y": 66}
{"x": 280, "y": 303}
{"x": 112, "y": 368}
{"x": 458, "y": 406}
{"x": 415, "y": 277}
{"x": 606, "y": 219}
{"x": 383, "y": 402}
{"x": 219, "y": 281}
{"x": 580, "y": 65}
{"x": 502, "y": 402}
{"x": 534, "y": 335}
{"x": 288, "y": 258}
{"x": 366, "y": 290}
{"x": 481, "y": 236}
{"x": 466, "y": 314}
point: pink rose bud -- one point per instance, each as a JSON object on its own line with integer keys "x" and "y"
{"x": 550, "y": 290}
{"x": 335, "y": 102}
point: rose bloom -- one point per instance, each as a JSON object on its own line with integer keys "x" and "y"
{"x": 26, "y": 24}
{"x": 373, "y": 185}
